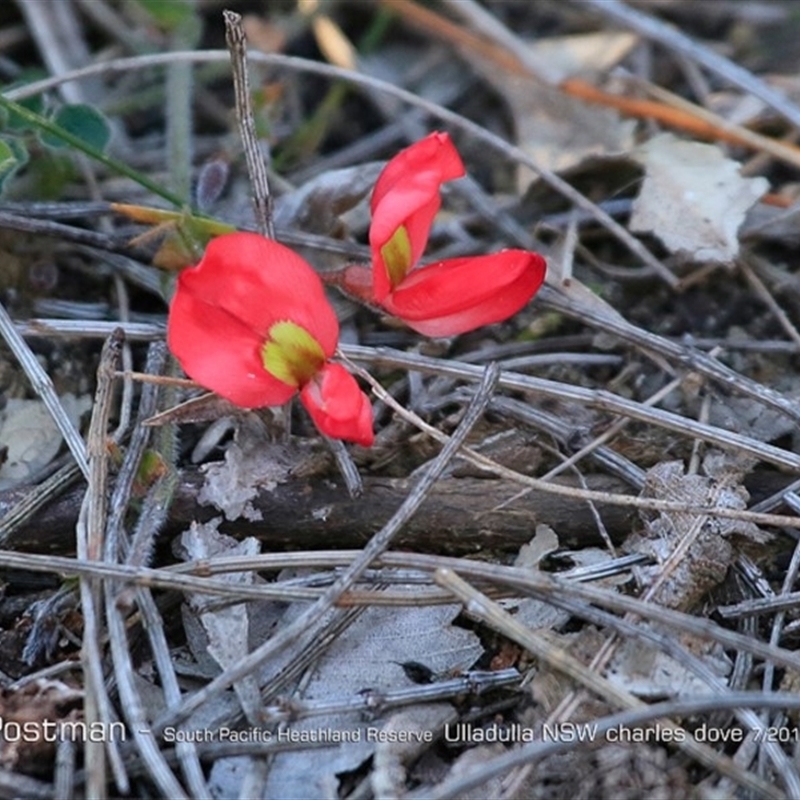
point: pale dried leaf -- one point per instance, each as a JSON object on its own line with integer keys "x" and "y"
{"x": 715, "y": 541}
{"x": 544, "y": 542}
{"x": 151, "y": 694}
{"x": 412, "y": 726}
{"x": 644, "y": 670}
{"x": 536, "y": 614}
{"x": 590, "y": 557}
{"x": 372, "y": 647}
{"x": 318, "y": 205}
{"x": 251, "y": 464}
{"x": 227, "y": 776}
{"x": 693, "y": 198}
{"x": 586, "y": 55}
{"x": 226, "y": 628}
{"x": 31, "y": 436}
{"x": 750, "y": 418}
{"x": 558, "y": 131}
{"x": 473, "y": 759}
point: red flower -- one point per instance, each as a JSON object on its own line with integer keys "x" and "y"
{"x": 404, "y": 203}
{"x": 251, "y": 322}
{"x": 448, "y": 297}
{"x": 462, "y": 294}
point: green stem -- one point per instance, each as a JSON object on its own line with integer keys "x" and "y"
{"x": 74, "y": 141}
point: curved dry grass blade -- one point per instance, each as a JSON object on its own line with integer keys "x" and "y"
{"x": 89, "y": 539}
{"x": 491, "y": 140}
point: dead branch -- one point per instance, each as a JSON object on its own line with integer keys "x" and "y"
{"x": 456, "y": 518}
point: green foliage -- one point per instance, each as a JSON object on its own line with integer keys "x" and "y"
{"x": 13, "y": 155}
{"x": 85, "y": 129}
{"x": 10, "y": 119}
{"x": 170, "y": 15}
{"x": 26, "y": 129}
{"x": 84, "y": 122}
{"x": 14, "y": 122}
{"x": 50, "y": 173}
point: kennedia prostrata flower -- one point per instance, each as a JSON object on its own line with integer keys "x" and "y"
{"x": 251, "y": 322}
{"x": 448, "y": 297}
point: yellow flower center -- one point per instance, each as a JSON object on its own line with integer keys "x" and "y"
{"x": 396, "y": 254}
{"x": 291, "y": 354}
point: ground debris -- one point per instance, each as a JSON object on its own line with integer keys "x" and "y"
{"x": 707, "y": 545}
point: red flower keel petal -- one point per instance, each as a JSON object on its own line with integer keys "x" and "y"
{"x": 338, "y": 407}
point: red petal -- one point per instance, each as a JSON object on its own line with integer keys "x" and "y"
{"x": 435, "y": 153}
{"x": 221, "y": 353}
{"x": 407, "y": 193}
{"x": 462, "y": 294}
{"x": 259, "y": 282}
{"x": 338, "y": 407}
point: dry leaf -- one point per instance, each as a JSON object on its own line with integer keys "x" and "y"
{"x": 544, "y": 542}
{"x": 693, "y": 198}
{"x": 536, "y": 614}
{"x": 714, "y": 541}
{"x": 472, "y": 760}
{"x": 251, "y": 464}
{"x": 391, "y": 759}
{"x": 584, "y": 55}
{"x": 225, "y": 630}
{"x": 372, "y": 649}
{"x": 559, "y": 131}
{"x": 333, "y": 204}
{"x": 31, "y": 436}
{"x": 556, "y": 130}
{"x": 318, "y": 205}
{"x": 644, "y": 670}
{"x": 750, "y": 418}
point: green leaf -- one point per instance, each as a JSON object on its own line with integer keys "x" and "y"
{"x": 12, "y": 156}
{"x": 169, "y": 15}
{"x": 13, "y": 121}
{"x": 8, "y": 159}
{"x": 84, "y": 122}
{"x": 50, "y": 172}
{"x": 43, "y": 124}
